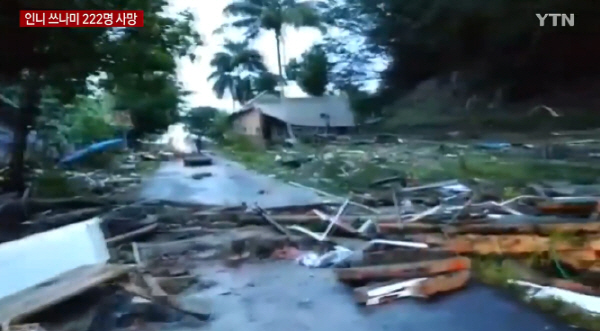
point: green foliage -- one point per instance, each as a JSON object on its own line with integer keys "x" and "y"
{"x": 311, "y": 71}
{"x": 208, "y": 121}
{"x": 82, "y": 122}
{"x": 497, "y": 43}
{"x": 201, "y": 118}
{"x": 266, "y": 82}
{"x": 273, "y": 15}
{"x": 231, "y": 69}
{"x": 364, "y": 105}
{"x": 87, "y": 122}
{"x": 152, "y": 109}
{"x": 52, "y": 184}
{"x": 137, "y": 64}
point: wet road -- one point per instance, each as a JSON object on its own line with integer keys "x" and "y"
{"x": 284, "y": 296}
{"x": 229, "y": 184}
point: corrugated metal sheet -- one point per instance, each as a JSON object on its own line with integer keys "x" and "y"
{"x": 307, "y": 111}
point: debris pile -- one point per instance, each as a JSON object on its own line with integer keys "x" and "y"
{"x": 134, "y": 262}
{"x": 419, "y": 249}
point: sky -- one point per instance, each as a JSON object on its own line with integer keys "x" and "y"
{"x": 209, "y": 17}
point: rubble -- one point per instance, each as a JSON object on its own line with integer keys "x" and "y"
{"x": 396, "y": 238}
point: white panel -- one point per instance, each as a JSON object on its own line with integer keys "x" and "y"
{"x": 34, "y": 259}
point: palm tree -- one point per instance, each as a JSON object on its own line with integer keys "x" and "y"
{"x": 254, "y": 15}
{"x": 229, "y": 65}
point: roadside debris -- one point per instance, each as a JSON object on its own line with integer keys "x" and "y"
{"x": 393, "y": 238}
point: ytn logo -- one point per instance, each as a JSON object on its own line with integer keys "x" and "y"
{"x": 566, "y": 19}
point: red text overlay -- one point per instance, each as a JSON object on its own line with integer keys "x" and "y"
{"x": 82, "y": 18}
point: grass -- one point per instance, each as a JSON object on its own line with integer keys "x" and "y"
{"x": 507, "y": 172}
{"x": 437, "y": 112}
{"x": 337, "y": 170}
{"x": 52, "y": 184}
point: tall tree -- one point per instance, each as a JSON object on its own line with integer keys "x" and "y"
{"x": 66, "y": 58}
{"x": 311, "y": 72}
{"x": 274, "y": 15}
{"x": 265, "y": 82}
{"x": 232, "y": 68}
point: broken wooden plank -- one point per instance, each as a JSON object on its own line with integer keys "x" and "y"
{"x": 175, "y": 285}
{"x": 69, "y": 217}
{"x": 508, "y": 244}
{"x": 155, "y": 289}
{"x": 385, "y": 292}
{"x": 403, "y": 270}
{"x": 543, "y": 226}
{"x": 17, "y": 306}
{"x": 490, "y": 228}
{"x": 273, "y": 222}
{"x": 168, "y": 301}
{"x": 131, "y": 235}
{"x": 404, "y": 255}
{"x": 582, "y": 206}
{"x": 423, "y": 287}
{"x": 444, "y": 283}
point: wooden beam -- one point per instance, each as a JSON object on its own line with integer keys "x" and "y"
{"x": 16, "y": 307}
{"x": 403, "y": 270}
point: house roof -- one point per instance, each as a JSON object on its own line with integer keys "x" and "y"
{"x": 305, "y": 111}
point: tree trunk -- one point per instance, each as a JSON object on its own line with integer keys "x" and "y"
{"x": 279, "y": 67}
{"x": 29, "y": 109}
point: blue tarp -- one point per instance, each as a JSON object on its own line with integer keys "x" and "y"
{"x": 492, "y": 145}
{"x": 91, "y": 149}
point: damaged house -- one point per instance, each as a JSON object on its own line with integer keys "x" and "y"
{"x": 268, "y": 118}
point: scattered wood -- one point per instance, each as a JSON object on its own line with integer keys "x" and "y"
{"x": 375, "y": 211}
{"x": 16, "y": 307}
{"x": 389, "y": 180}
{"x": 175, "y": 285}
{"x": 404, "y": 255}
{"x": 421, "y": 287}
{"x": 169, "y": 301}
{"x": 70, "y": 216}
{"x": 582, "y": 207}
{"x": 444, "y": 283}
{"x": 493, "y": 227}
{"x": 403, "y": 270}
{"x": 271, "y": 221}
{"x": 508, "y": 244}
{"x": 129, "y": 236}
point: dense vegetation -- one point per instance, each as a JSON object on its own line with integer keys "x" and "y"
{"x": 135, "y": 66}
{"x": 65, "y": 82}
{"x": 494, "y": 49}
